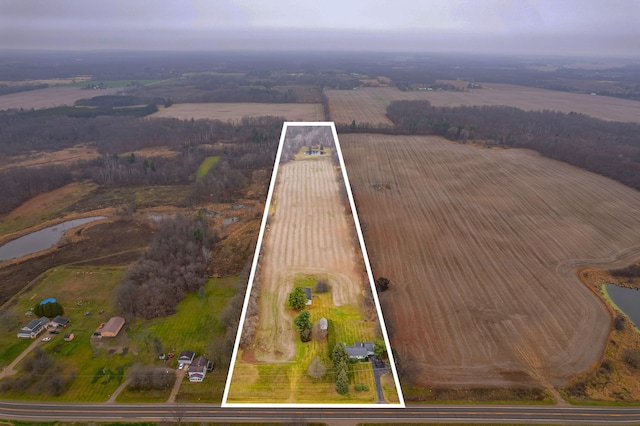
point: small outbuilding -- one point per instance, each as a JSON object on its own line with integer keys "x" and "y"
{"x": 323, "y": 324}
{"x": 307, "y": 292}
{"x": 33, "y": 328}
{"x": 112, "y": 327}
{"x": 60, "y": 321}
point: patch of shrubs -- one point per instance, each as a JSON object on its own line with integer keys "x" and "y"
{"x": 618, "y": 323}
{"x": 322, "y": 286}
{"x": 631, "y": 357}
{"x": 361, "y": 388}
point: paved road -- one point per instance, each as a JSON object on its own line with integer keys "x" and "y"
{"x": 212, "y": 413}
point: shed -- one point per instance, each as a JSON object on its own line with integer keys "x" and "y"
{"x": 307, "y": 292}
{"x": 323, "y": 324}
{"x": 60, "y": 321}
{"x": 112, "y": 327}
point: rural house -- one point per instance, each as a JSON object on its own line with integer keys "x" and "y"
{"x": 186, "y": 357}
{"x": 198, "y": 369}
{"x": 34, "y": 328}
{"x": 112, "y": 327}
{"x": 360, "y": 350}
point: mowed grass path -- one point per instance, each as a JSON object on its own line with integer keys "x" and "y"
{"x": 94, "y": 368}
{"x": 206, "y": 165}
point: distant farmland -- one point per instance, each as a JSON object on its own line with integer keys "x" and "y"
{"x": 369, "y": 104}
{"x": 49, "y": 97}
{"x": 236, "y": 111}
{"x": 480, "y": 247}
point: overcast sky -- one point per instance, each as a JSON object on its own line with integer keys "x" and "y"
{"x": 580, "y": 27}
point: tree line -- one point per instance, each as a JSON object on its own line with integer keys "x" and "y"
{"x": 609, "y": 148}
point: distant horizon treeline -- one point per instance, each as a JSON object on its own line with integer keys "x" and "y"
{"x": 608, "y": 148}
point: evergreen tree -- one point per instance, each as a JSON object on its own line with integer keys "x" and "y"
{"x": 298, "y": 298}
{"x": 342, "y": 382}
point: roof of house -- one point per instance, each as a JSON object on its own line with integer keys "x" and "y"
{"x": 360, "y": 349}
{"x": 197, "y": 369}
{"x": 60, "y": 320}
{"x": 186, "y": 355}
{"x": 112, "y": 327}
{"x": 35, "y": 323}
{"x": 307, "y": 292}
{"x": 200, "y": 361}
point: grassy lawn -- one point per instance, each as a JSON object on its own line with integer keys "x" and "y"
{"x": 94, "y": 368}
{"x": 289, "y": 382}
{"x": 206, "y": 165}
{"x": 195, "y": 326}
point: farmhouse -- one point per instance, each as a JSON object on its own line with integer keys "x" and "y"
{"x": 186, "y": 357}
{"x": 307, "y": 292}
{"x": 360, "y": 350}
{"x": 112, "y": 327}
{"x": 59, "y": 321}
{"x": 198, "y": 369}
{"x": 34, "y": 328}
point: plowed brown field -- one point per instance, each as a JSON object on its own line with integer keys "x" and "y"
{"x": 480, "y": 246}
{"x": 236, "y": 111}
{"x": 309, "y": 234}
{"x": 49, "y": 97}
{"x": 369, "y": 104}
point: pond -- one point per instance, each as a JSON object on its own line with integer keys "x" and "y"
{"x": 627, "y": 299}
{"x": 40, "y": 240}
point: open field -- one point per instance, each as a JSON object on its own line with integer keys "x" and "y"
{"x": 369, "y": 104}
{"x": 309, "y": 238}
{"x": 49, "y": 97}
{"x": 236, "y": 111}
{"x": 480, "y": 246}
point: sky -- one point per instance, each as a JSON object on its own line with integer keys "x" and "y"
{"x": 579, "y": 27}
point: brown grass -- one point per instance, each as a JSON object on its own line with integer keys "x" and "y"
{"x": 236, "y": 111}
{"x": 86, "y": 151}
{"x": 49, "y": 97}
{"x": 620, "y": 382}
{"x": 481, "y": 248}
{"x": 369, "y": 104}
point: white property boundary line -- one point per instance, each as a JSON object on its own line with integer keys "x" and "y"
{"x": 392, "y": 364}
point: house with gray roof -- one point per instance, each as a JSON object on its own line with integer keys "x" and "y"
{"x": 34, "y": 328}
{"x": 360, "y": 350}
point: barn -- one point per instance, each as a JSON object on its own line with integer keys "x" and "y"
{"x": 112, "y": 327}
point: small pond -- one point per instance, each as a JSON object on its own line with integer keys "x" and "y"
{"x": 40, "y": 240}
{"x": 627, "y": 299}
